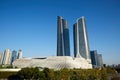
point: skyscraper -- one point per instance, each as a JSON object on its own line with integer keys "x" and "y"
{"x": 63, "y": 44}
{"x": 7, "y": 57}
{"x": 14, "y": 55}
{"x": 100, "y": 61}
{"x": 76, "y": 41}
{"x": 0, "y": 58}
{"x": 81, "y": 45}
{"x": 94, "y": 58}
{"x": 20, "y": 54}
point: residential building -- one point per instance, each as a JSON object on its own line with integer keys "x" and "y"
{"x": 7, "y": 57}
{"x": 0, "y": 58}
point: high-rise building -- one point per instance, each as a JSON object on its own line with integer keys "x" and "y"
{"x": 14, "y": 55}
{"x": 0, "y": 58}
{"x": 20, "y": 54}
{"x": 94, "y": 58}
{"x": 100, "y": 61}
{"x": 81, "y": 45}
{"x": 63, "y": 43}
{"x": 76, "y": 41}
{"x": 63, "y": 58}
{"x": 7, "y": 57}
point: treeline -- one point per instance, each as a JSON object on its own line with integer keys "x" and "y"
{"x": 63, "y": 74}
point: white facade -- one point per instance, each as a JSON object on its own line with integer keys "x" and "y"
{"x": 54, "y": 62}
{"x": 7, "y": 57}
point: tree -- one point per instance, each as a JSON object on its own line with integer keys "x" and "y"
{"x": 65, "y": 74}
{"x": 29, "y": 73}
{"x": 49, "y": 73}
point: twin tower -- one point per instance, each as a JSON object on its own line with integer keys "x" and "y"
{"x": 81, "y": 45}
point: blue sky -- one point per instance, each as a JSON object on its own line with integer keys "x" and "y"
{"x": 31, "y": 25}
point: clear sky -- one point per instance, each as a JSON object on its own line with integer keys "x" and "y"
{"x": 31, "y": 25}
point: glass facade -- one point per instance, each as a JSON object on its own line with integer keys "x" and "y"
{"x": 94, "y": 57}
{"x": 14, "y": 55}
{"x": 63, "y": 44}
{"x": 19, "y": 54}
{"x": 75, "y": 38}
{"x": 100, "y": 62}
{"x": 66, "y": 38}
{"x": 76, "y": 41}
{"x": 83, "y": 39}
{"x": 59, "y": 37}
{"x": 81, "y": 45}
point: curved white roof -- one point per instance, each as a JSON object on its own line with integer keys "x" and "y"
{"x": 53, "y": 62}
